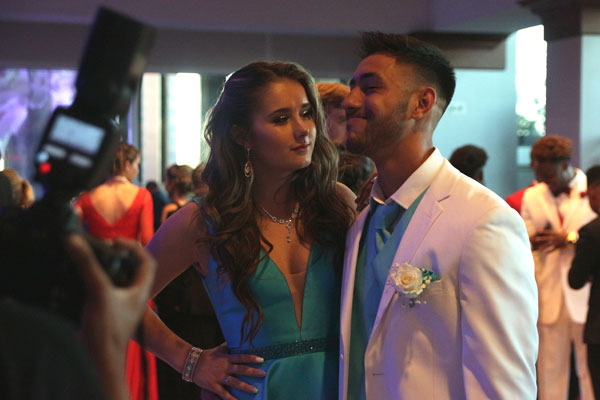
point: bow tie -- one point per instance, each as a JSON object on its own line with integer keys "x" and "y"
{"x": 566, "y": 190}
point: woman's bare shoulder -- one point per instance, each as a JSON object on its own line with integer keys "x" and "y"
{"x": 185, "y": 223}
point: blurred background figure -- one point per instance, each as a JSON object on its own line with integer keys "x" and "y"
{"x": 470, "y": 160}
{"x": 159, "y": 201}
{"x": 178, "y": 182}
{"x": 118, "y": 208}
{"x": 354, "y": 170}
{"x": 586, "y": 268}
{"x": 554, "y": 210}
{"x": 332, "y": 95}
{"x": 21, "y": 190}
{"x": 184, "y": 306}
{"x": 516, "y": 199}
{"x": 200, "y": 188}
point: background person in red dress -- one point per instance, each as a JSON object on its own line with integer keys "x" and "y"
{"x": 118, "y": 208}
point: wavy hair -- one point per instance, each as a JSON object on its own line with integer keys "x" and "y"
{"x": 236, "y": 241}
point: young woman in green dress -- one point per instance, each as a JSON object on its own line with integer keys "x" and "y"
{"x": 268, "y": 239}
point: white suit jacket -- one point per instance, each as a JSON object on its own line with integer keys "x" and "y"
{"x": 552, "y": 267}
{"x": 474, "y": 335}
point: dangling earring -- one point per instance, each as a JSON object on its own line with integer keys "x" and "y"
{"x": 248, "y": 166}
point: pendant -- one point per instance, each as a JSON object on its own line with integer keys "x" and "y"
{"x": 289, "y": 228}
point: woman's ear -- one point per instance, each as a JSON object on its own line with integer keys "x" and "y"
{"x": 240, "y": 136}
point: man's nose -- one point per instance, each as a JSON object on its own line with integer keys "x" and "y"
{"x": 353, "y": 100}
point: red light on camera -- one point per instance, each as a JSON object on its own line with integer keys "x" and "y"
{"x": 44, "y": 168}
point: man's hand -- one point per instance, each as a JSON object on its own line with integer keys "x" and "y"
{"x": 548, "y": 240}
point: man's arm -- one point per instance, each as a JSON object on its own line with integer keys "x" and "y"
{"x": 587, "y": 253}
{"x": 499, "y": 309}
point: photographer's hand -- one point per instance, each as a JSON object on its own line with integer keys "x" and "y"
{"x": 111, "y": 314}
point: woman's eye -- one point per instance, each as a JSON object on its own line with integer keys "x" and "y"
{"x": 281, "y": 119}
{"x": 307, "y": 114}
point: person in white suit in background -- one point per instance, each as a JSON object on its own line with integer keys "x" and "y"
{"x": 440, "y": 302}
{"x": 553, "y": 211}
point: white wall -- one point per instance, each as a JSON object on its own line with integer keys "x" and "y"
{"x": 590, "y": 102}
{"x": 482, "y": 113}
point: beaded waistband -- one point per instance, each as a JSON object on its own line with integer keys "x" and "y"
{"x": 291, "y": 349}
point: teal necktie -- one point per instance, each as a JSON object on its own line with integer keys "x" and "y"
{"x": 382, "y": 223}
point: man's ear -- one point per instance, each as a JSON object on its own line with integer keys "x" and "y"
{"x": 426, "y": 98}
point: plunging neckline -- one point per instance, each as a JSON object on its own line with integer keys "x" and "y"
{"x": 289, "y": 291}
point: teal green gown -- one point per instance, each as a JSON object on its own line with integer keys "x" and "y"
{"x": 300, "y": 363}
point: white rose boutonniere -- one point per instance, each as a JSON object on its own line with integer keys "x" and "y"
{"x": 410, "y": 281}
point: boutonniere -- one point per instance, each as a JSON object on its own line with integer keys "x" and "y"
{"x": 582, "y": 194}
{"x": 410, "y": 281}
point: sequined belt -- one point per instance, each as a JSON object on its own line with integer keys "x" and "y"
{"x": 291, "y": 349}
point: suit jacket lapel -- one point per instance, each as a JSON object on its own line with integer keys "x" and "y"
{"x": 427, "y": 212}
{"x": 550, "y": 210}
{"x": 352, "y": 242}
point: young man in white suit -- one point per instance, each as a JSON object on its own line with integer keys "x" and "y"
{"x": 472, "y": 333}
{"x": 553, "y": 211}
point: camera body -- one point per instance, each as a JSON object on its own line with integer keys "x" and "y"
{"x": 75, "y": 154}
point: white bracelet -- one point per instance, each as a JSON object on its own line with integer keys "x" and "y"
{"x": 190, "y": 364}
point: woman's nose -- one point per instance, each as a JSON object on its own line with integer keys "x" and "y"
{"x": 303, "y": 127}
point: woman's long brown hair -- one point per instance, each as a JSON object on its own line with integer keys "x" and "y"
{"x": 236, "y": 240}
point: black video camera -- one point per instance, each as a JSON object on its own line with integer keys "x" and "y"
{"x": 75, "y": 154}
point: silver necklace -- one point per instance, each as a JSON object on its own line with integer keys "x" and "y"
{"x": 287, "y": 222}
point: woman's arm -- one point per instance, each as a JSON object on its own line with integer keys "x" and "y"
{"x": 175, "y": 248}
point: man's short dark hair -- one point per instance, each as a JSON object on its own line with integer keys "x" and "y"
{"x": 429, "y": 60}
{"x": 593, "y": 175}
{"x": 469, "y": 159}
